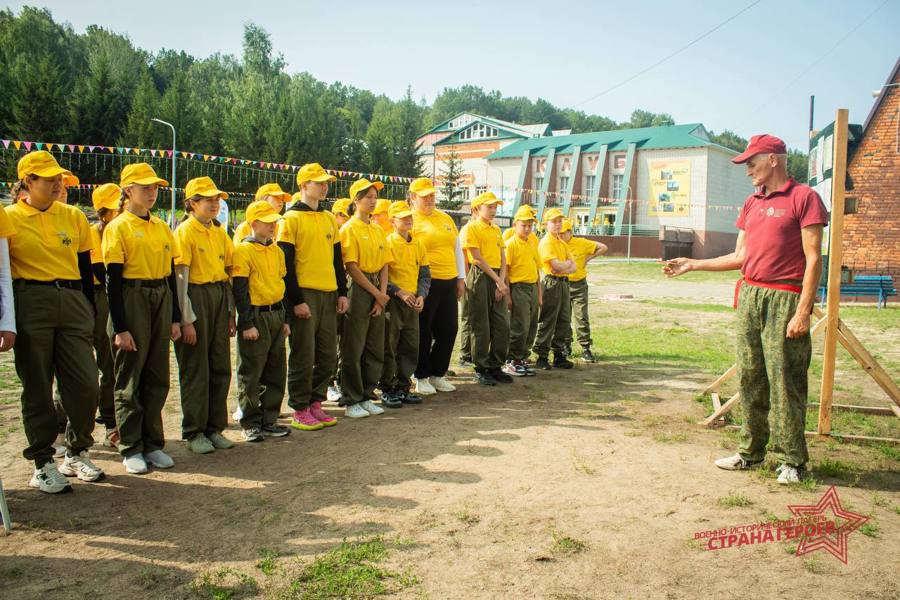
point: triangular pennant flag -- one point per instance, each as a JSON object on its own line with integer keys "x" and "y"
{"x": 40, "y": 146}
{"x": 169, "y": 152}
{"x": 71, "y": 148}
{"x": 27, "y": 145}
{"x": 184, "y": 154}
{"x": 137, "y": 150}
{"x": 6, "y": 143}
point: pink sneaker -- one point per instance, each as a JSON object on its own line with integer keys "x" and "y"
{"x": 304, "y": 421}
{"x": 315, "y": 409}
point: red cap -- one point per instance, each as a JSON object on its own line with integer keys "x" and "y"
{"x": 760, "y": 144}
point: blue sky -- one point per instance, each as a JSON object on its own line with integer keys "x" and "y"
{"x": 747, "y": 76}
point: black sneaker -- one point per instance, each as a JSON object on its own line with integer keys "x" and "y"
{"x": 561, "y": 362}
{"x": 484, "y": 378}
{"x": 410, "y": 398}
{"x": 515, "y": 368}
{"x": 253, "y": 434}
{"x": 588, "y": 356}
{"x": 542, "y": 363}
{"x": 392, "y": 400}
{"x": 275, "y": 430}
{"x": 500, "y": 376}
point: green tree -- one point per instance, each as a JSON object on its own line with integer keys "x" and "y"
{"x": 139, "y": 130}
{"x": 452, "y": 188}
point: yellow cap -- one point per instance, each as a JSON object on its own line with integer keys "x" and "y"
{"x": 297, "y": 197}
{"x": 203, "y": 186}
{"x": 363, "y": 185}
{"x": 381, "y": 206}
{"x": 566, "y": 226}
{"x": 422, "y": 186}
{"x": 260, "y": 210}
{"x": 42, "y": 164}
{"x": 313, "y": 172}
{"x": 399, "y": 210}
{"x": 485, "y": 198}
{"x": 340, "y": 207}
{"x": 70, "y": 180}
{"x": 106, "y": 196}
{"x": 139, "y": 174}
{"x": 552, "y": 213}
{"x": 525, "y": 213}
{"x": 272, "y": 189}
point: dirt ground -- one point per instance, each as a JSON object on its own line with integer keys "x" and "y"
{"x": 588, "y": 483}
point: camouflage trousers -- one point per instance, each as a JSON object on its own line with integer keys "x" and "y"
{"x": 773, "y": 379}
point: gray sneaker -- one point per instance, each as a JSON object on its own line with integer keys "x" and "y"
{"x": 275, "y": 430}
{"x": 736, "y": 463}
{"x": 254, "y": 434}
{"x": 49, "y": 480}
{"x": 200, "y": 445}
{"x": 159, "y": 459}
{"x": 219, "y": 441}
{"x": 135, "y": 464}
{"x": 80, "y": 466}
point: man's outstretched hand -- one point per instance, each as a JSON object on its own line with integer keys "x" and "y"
{"x": 677, "y": 266}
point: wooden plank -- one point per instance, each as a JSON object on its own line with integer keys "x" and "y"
{"x": 863, "y": 439}
{"x": 868, "y": 362}
{"x": 717, "y": 403}
{"x": 708, "y": 421}
{"x": 866, "y": 410}
{"x": 714, "y": 386}
{"x": 835, "y": 249}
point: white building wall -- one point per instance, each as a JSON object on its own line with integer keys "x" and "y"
{"x": 729, "y": 186}
{"x": 697, "y": 216}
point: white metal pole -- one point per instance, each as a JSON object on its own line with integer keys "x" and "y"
{"x": 630, "y": 221}
{"x": 174, "y": 164}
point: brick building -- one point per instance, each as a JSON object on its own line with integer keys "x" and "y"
{"x": 872, "y": 235}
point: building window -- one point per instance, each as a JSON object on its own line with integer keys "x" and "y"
{"x": 538, "y": 183}
{"x": 589, "y": 181}
{"x": 479, "y": 131}
{"x": 564, "y": 184}
{"x": 617, "y": 185}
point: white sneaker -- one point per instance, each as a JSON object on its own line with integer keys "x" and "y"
{"x": 49, "y": 480}
{"x": 159, "y": 459}
{"x": 334, "y": 394}
{"x": 356, "y": 411}
{"x": 736, "y": 463}
{"x": 788, "y": 474}
{"x": 59, "y": 446}
{"x": 81, "y": 466}
{"x": 135, "y": 464}
{"x": 237, "y": 415}
{"x": 371, "y": 408}
{"x": 424, "y": 388}
{"x": 441, "y": 384}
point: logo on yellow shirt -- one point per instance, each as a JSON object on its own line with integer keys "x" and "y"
{"x": 327, "y": 236}
{"x": 64, "y": 238}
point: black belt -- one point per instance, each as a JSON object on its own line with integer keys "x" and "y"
{"x": 68, "y": 284}
{"x": 270, "y": 307}
{"x": 556, "y": 277}
{"x": 145, "y": 283}
{"x": 209, "y": 283}
{"x": 99, "y": 287}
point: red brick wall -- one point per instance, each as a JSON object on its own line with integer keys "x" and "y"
{"x": 872, "y": 235}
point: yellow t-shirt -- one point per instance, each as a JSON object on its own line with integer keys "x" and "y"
{"x": 487, "y": 238}
{"x": 384, "y": 221}
{"x": 313, "y": 235}
{"x": 581, "y": 248}
{"x": 45, "y": 244}
{"x": 264, "y": 268}
{"x": 438, "y": 233}
{"x": 6, "y": 228}
{"x": 96, "y": 249}
{"x": 524, "y": 263}
{"x": 206, "y": 251}
{"x": 408, "y": 257}
{"x": 510, "y": 232}
{"x": 364, "y": 244}
{"x": 144, "y": 248}
{"x": 553, "y": 248}
{"x": 243, "y": 230}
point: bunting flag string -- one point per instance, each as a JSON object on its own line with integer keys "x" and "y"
{"x": 189, "y": 155}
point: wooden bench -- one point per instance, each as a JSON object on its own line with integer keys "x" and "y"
{"x": 873, "y": 286}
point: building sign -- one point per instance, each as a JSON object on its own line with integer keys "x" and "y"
{"x": 670, "y": 188}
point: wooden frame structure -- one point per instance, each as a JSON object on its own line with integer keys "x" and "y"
{"x": 828, "y": 322}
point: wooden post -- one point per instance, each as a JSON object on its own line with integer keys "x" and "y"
{"x": 835, "y": 249}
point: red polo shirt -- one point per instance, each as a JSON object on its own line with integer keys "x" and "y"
{"x": 772, "y": 224}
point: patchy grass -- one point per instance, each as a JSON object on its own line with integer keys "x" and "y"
{"x": 869, "y": 528}
{"x": 734, "y": 499}
{"x": 466, "y": 516}
{"x": 224, "y": 584}
{"x": 837, "y": 469}
{"x": 352, "y": 570}
{"x": 267, "y": 561}
{"x": 564, "y": 544}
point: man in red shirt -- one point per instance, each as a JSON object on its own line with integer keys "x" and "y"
{"x": 779, "y": 253}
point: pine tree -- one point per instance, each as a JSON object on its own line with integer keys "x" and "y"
{"x": 452, "y": 187}
{"x": 145, "y": 104}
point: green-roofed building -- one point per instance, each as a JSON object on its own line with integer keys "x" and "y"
{"x": 639, "y": 179}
